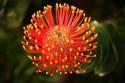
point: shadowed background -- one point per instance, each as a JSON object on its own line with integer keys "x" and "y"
{"x": 109, "y": 15}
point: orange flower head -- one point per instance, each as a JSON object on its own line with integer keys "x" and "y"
{"x": 62, "y": 38}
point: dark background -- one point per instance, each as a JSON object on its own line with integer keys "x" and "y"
{"x": 15, "y": 67}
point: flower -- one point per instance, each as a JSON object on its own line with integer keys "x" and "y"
{"x": 64, "y": 41}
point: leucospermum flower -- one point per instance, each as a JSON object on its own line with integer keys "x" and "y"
{"x": 63, "y": 39}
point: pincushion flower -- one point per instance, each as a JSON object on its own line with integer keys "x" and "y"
{"x": 62, "y": 39}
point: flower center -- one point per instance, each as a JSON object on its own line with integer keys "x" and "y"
{"x": 58, "y": 36}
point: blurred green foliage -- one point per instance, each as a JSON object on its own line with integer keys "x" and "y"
{"x": 15, "y": 67}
